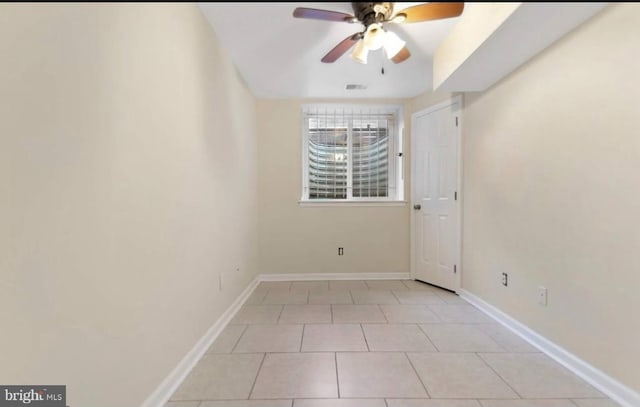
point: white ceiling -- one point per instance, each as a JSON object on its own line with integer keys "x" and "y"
{"x": 279, "y": 55}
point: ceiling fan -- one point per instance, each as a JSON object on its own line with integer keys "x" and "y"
{"x": 373, "y": 16}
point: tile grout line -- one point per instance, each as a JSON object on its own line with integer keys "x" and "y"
{"x": 280, "y": 313}
{"x": 383, "y": 314}
{"x": 505, "y": 347}
{"x": 255, "y": 380}
{"x": 417, "y": 325}
{"x": 497, "y": 374}
{"x": 254, "y": 293}
{"x": 395, "y": 296}
{"x": 365, "y": 338}
{"x": 353, "y": 301}
{"x": 428, "y": 338}
{"x": 264, "y": 297}
{"x": 302, "y": 338}
{"x": 440, "y": 319}
{"x": 406, "y": 355}
{"x": 335, "y": 359}
{"x": 501, "y": 346}
{"x": 239, "y": 337}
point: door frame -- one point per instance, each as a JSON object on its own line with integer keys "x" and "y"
{"x": 458, "y": 208}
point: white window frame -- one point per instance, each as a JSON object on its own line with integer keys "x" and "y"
{"x": 395, "y": 151}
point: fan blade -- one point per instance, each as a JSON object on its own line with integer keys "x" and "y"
{"x": 401, "y": 56}
{"x": 341, "y": 48}
{"x": 431, "y": 11}
{"x": 303, "y": 12}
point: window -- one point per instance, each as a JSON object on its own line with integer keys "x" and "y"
{"x": 351, "y": 153}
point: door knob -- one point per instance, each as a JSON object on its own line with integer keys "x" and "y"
{"x": 417, "y": 207}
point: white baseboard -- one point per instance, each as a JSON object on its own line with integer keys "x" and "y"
{"x": 166, "y": 389}
{"x": 333, "y": 276}
{"x": 615, "y": 390}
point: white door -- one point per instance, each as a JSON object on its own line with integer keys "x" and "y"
{"x": 435, "y": 196}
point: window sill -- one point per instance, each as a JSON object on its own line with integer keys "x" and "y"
{"x": 339, "y": 202}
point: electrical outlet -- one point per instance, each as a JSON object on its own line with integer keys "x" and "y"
{"x": 542, "y": 296}
{"x": 505, "y": 279}
{"x": 340, "y": 251}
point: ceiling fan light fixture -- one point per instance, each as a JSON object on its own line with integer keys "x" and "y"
{"x": 392, "y": 44}
{"x": 374, "y": 38}
{"x": 360, "y": 52}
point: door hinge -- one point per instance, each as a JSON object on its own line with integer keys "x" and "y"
{"x": 456, "y": 121}
{"x": 455, "y": 269}
{"x": 455, "y": 196}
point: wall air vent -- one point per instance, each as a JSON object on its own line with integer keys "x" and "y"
{"x": 355, "y": 86}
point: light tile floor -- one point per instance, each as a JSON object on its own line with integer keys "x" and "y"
{"x": 374, "y": 344}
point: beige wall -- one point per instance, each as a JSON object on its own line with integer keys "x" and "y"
{"x": 302, "y": 239}
{"x": 552, "y": 197}
{"x": 127, "y": 184}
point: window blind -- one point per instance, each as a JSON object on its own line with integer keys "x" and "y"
{"x": 350, "y": 154}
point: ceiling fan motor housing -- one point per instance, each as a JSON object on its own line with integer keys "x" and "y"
{"x": 370, "y": 13}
